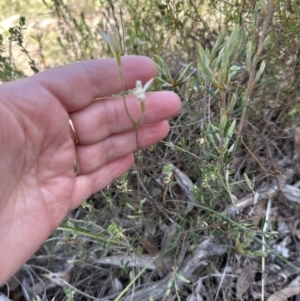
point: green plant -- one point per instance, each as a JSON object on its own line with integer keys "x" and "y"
{"x": 7, "y": 70}
{"x": 16, "y": 35}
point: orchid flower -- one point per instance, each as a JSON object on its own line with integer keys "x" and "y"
{"x": 112, "y": 39}
{"x": 140, "y": 94}
{"x": 140, "y": 91}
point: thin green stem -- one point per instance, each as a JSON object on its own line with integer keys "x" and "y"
{"x": 123, "y": 93}
{"x": 132, "y": 282}
{"x": 137, "y": 162}
{"x": 78, "y": 230}
{"x": 136, "y": 127}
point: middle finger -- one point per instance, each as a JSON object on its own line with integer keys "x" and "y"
{"x": 106, "y": 117}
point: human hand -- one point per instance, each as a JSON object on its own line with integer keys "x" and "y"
{"x": 37, "y": 182}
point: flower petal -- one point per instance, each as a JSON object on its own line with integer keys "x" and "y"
{"x": 138, "y": 85}
{"x": 105, "y": 37}
{"x": 148, "y": 84}
{"x": 112, "y": 39}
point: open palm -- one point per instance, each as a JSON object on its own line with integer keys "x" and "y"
{"x": 37, "y": 182}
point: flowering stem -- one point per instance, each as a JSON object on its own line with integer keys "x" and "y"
{"x": 136, "y": 155}
{"x": 123, "y": 94}
{"x": 114, "y": 43}
{"x": 136, "y": 125}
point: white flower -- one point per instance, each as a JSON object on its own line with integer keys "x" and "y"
{"x": 112, "y": 39}
{"x": 140, "y": 91}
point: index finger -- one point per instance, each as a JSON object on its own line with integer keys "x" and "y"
{"x": 77, "y": 85}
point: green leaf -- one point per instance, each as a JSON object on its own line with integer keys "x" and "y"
{"x": 227, "y": 52}
{"x": 260, "y": 71}
{"x": 225, "y": 158}
{"x": 249, "y": 184}
{"x": 197, "y": 84}
{"x": 210, "y": 154}
{"x": 222, "y": 122}
{"x": 215, "y": 96}
{"x": 169, "y": 286}
{"x": 231, "y": 129}
{"x": 232, "y": 103}
{"x": 217, "y": 45}
{"x": 249, "y": 56}
{"x": 180, "y": 277}
{"x": 183, "y": 77}
{"x": 162, "y": 67}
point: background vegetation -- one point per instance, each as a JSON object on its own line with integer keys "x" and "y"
{"x": 218, "y": 215}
